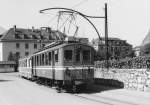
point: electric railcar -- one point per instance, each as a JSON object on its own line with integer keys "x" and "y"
{"x": 62, "y": 63}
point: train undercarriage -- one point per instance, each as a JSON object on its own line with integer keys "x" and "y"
{"x": 73, "y": 86}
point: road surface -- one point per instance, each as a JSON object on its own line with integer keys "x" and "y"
{"x": 18, "y": 91}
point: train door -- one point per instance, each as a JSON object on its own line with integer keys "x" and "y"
{"x": 33, "y": 66}
{"x": 53, "y": 64}
{"x": 32, "y": 72}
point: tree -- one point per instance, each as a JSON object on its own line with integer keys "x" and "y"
{"x": 131, "y": 54}
{"x": 13, "y": 57}
{"x": 10, "y": 57}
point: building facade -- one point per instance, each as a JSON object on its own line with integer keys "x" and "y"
{"x": 117, "y": 48}
{"x": 137, "y": 50}
{"x": 20, "y": 42}
{"x": 145, "y": 46}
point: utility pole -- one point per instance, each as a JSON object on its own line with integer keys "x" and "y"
{"x": 106, "y": 35}
{"x": 40, "y": 39}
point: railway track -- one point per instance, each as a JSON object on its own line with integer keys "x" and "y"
{"x": 97, "y": 98}
{"x": 103, "y": 100}
{"x": 98, "y": 101}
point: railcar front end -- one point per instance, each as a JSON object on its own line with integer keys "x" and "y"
{"x": 78, "y": 63}
{"x": 25, "y": 67}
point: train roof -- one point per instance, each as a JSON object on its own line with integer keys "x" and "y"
{"x": 58, "y": 44}
{"x": 61, "y": 44}
{"x": 26, "y": 57}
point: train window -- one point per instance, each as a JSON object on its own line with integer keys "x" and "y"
{"x": 37, "y": 60}
{"x": 26, "y": 63}
{"x": 29, "y": 62}
{"x": 34, "y": 61}
{"x": 56, "y": 55}
{"x": 49, "y": 57}
{"x": 78, "y": 55}
{"x": 46, "y": 58}
{"x": 42, "y": 59}
{"x": 68, "y": 55}
{"x": 86, "y": 55}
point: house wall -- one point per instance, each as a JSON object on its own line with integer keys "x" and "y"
{"x": 1, "y": 51}
{"x": 11, "y": 47}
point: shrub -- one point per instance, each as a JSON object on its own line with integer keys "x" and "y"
{"x": 128, "y": 63}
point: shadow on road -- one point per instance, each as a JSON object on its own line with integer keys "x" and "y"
{"x": 2, "y": 80}
{"x": 98, "y": 89}
{"x": 101, "y": 85}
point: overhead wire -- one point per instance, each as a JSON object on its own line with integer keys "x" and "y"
{"x": 72, "y": 22}
{"x": 80, "y": 3}
{"x": 72, "y": 17}
{"x": 64, "y": 22}
{"x": 67, "y": 19}
{"x": 76, "y": 5}
{"x": 50, "y": 21}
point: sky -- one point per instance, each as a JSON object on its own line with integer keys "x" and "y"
{"x": 127, "y": 19}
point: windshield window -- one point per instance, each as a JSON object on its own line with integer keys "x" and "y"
{"x": 86, "y": 55}
{"x": 68, "y": 55}
{"x": 78, "y": 54}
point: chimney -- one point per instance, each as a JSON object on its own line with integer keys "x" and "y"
{"x": 48, "y": 29}
{"x": 32, "y": 29}
{"x": 14, "y": 28}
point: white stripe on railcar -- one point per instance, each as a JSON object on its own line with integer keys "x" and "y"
{"x": 62, "y": 68}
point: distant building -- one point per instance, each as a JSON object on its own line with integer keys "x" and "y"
{"x": 7, "y": 66}
{"x": 78, "y": 39}
{"x": 145, "y": 46}
{"x": 137, "y": 50}
{"x": 146, "y": 39}
{"x": 117, "y": 48}
{"x": 23, "y": 42}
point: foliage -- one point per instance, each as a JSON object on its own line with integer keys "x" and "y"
{"x": 128, "y": 63}
{"x": 117, "y": 55}
{"x": 13, "y": 57}
{"x": 10, "y": 57}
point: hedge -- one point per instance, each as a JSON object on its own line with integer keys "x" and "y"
{"x": 128, "y": 63}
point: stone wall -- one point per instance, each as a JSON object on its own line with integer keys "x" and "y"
{"x": 136, "y": 79}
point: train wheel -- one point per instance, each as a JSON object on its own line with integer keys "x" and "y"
{"x": 83, "y": 87}
{"x": 74, "y": 88}
{"x": 50, "y": 83}
{"x": 33, "y": 78}
{"x": 59, "y": 86}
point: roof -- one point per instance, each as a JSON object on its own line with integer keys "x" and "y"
{"x": 60, "y": 44}
{"x": 101, "y": 41}
{"x": 109, "y": 38}
{"x": 20, "y": 34}
{"x": 117, "y": 41}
